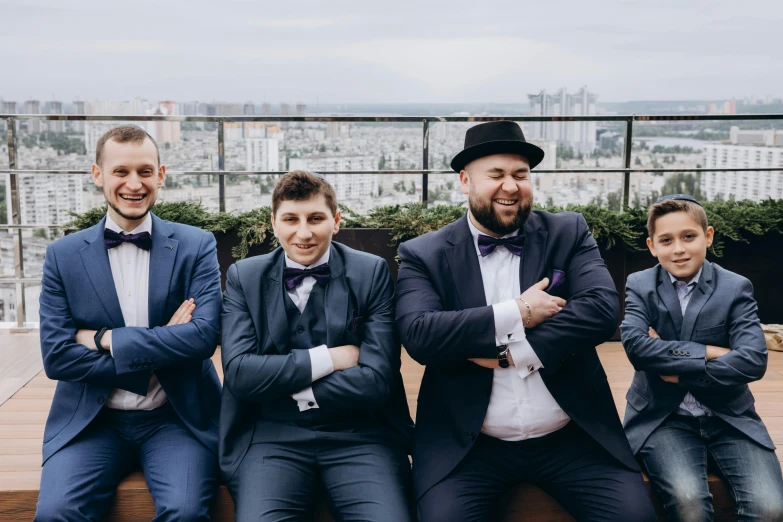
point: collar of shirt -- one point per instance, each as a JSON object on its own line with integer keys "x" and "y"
{"x": 293, "y": 264}
{"x": 692, "y": 282}
{"x": 144, "y": 226}
{"x": 475, "y": 233}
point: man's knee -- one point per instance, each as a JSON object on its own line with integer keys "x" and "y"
{"x": 183, "y": 509}
{"x": 57, "y": 509}
{"x": 689, "y": 503}
{"x": 764, "y": 504}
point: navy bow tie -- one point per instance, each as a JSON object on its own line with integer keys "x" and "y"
{"x": 513, "y": 244}
{"x": 113, "y": 239}
{"x": 294, "y": 276}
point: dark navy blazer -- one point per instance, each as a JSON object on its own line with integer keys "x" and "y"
{"x": 721, "y": 312}
{"x": 78, "y": 293}
{"x": 259, "y": 365}
{"x": 443, "y": 319}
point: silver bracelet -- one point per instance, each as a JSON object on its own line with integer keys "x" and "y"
{"x": 529, "y": 311}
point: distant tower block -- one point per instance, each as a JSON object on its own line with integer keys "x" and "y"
{"x": 301, "y": 110}
{"x": 266, "y": 109}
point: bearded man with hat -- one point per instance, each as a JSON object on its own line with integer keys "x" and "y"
{"x": 505, "y": 307}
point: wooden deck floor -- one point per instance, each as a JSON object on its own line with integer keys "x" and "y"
{"x": 23, "y": 416}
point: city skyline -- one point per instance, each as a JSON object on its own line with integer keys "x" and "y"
{"x": 406, "y": 52}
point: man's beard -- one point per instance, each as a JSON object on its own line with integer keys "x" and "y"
{"x": 125, "y": 216}
{"x": 483, "y": 212}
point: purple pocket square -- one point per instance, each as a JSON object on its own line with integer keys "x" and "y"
{"x": 558, "y": 278}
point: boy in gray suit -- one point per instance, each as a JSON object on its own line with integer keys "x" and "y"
{"x": 693, "y": 336}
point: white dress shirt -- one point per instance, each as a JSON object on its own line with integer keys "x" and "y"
{"x": 520, "y": 405}
{"x": 320, "y": 360}
{"x": 130, "y": 269}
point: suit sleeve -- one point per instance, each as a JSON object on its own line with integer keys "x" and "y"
{"x": 63, "y": 358}
{"x": 183, "y": 343}
{"x": 747, "y": 360}
{"x": 247, "y": 374}
{"x": 369, "y": 384}
{"x": 430, "y": 334}
{"x": 592, "y": 312}
{"x": 648, "y": 354}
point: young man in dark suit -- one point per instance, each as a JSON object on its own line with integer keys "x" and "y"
{"x": 130, "y": 310}
{"x": 513, "y": 390}
{"x": 693, "y": 336}
{"x": 313, "y": 395}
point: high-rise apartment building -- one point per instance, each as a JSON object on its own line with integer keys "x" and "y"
{"x": 262, "y": 154}
{"x": 166, "y": 131}
{"x": 54, "y": 107}
{"x": 347, "y": 186}
{"x": 79, "y": 107}
{"x": 580, "y": 136}
{"x": 33, "y": 107}
{"x": 8, "y": 107}
{"x": 756, "y": 186}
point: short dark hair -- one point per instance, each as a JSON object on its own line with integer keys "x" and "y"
{"x": 301, "y": 185}
{"x": 668, "y": 206}
{"x": 124, "y": 134}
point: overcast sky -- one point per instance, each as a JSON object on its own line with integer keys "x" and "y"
{"x": 399, "y": 51}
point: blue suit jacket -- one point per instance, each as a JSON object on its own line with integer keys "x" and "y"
{"x": 721, "y": 312}
{"x": 443, "y": 319}
{"x": 258, "y": 365}
{"x": 78, "y": 293}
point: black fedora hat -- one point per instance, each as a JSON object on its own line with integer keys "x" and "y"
{"x": 496, "y": 137}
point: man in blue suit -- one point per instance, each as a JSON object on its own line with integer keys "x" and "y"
{"x": 693, "y": 336}
{"x": 513, "y": 391}
{"x": 130, "y": 310}
{"x": 313, "y": 397}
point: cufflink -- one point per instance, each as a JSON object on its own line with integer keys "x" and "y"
{"x": 530, "y": 368}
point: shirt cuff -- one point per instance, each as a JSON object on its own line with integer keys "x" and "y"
{"x": 305, "y": 399}
{"x": 509, "y": 327}
{"x": 320, "y": 362}
{"x": 111, "y": 347}
{"x": 525, "y": 359}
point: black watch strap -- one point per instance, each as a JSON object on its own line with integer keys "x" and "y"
{"x": 97, "y": 338}
{"x": 503, "y": 356}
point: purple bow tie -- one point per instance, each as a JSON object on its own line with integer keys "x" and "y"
{"x": 513, "y": 244}
{"x": 294, "y": 276}
{"x": 113, "y": 239}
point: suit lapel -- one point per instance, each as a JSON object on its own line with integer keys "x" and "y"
{"x": 162, "y": 256}
{"x": 464, "y": 266}
{"x": 701, "y": 294}
{"x": 531, "y": 266}
{"x": 276, "y": 318}
{"x": 96, "y": 263}
{"x": 668, "y": 295}
{"x": 336, "y": 299}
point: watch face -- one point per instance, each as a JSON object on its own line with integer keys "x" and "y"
{"x": 503, "y": 363}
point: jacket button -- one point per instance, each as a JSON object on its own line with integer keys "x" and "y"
{"x": 473, "y": 436}
{"x": 311, "y": 404}
{"x": 688, "y": 353}
{"x": 100, "y": 400}
{"x": 671, "y": 352}
{"x": 300, "y": 329}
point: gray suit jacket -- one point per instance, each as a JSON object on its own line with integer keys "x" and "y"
{"x": 259, "y": 365}
{"x": 721, "y": 312}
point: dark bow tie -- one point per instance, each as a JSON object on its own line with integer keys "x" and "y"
{"x": 294, "y": 276}
{"x": 113, "y": 239}
{"x": 513, "y": 244}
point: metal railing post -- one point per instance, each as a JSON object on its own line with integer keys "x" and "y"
{"x": 425, "y": 164}
{"x": 627, "y": 162}
{"x": 16, "y": 219}
{"x": 221, "y": 167}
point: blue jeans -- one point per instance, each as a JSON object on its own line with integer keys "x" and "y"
{"x": 676, "y": 457}
{"x": 78, "y": 482}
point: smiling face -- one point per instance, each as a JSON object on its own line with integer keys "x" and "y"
{"x": 305, "y": 228}
{"x": 680, "y": 244}
{"x": 130, "y": 177}
{"x": 500, "y": 196}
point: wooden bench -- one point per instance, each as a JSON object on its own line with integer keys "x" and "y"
{"x": 23, "y": 416}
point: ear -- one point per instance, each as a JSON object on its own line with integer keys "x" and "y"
{"x": 97, "y": 177}
{"x": 161, "y": 175}
{"x": 464, "y": 180}
{"x": 337, "y": 217}
{"x": 709, "y": 234}
{"x": 274, "y": 226}
{"x": 651, "y": 246}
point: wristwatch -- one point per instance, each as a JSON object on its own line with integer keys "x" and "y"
{"x": 97, "y": 338}
{"x": 503, "y": 356}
